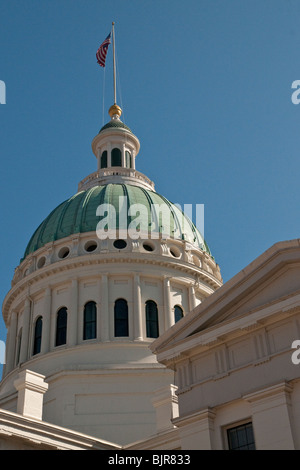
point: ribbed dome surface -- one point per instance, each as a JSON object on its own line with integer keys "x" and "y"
{"x": 114, "y": 123}
{"x": 78, "y": 215}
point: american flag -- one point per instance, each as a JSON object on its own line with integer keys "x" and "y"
{"x": 102, "y": 51}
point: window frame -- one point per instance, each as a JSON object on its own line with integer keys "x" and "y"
{"x": 103, "y": 160}
{"x": 177, "y": 306}
{"x": 58, "y": 328}
{"x": 118, "y": 322}
{"x": 151, "y": 323}
{"x": 37, "y": 338}
{"x": 116, "y": 154}
{"x": 236, "y": 425}
{"x": 91, "y": 322}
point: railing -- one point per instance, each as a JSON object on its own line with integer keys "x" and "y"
{"x": 102, "y": 175}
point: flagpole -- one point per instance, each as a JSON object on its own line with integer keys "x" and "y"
{"x": 114, "y": 63}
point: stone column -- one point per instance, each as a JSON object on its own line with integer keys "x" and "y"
{"x": 99, "y": 310}
{"x": 137, "y": 308}
{"x": 72, "y": 319}
{"x": 25, "y": 331}
{"x": 11, "y": 343}
{"x": 104, "y": 314}
{"x": 192, "y": 297}
{"x": 197, "y": 430}
{"x": 271, "y": 417}
{"x": 45, "y": 346}
{"x": 123, "y": 156}
{"x": 108, "y": 155}
{"x": 99, "y": 159}
{"x": 31, "y": 388}
{"x": 169, "y": 321}
{"x": 165, "y": 403}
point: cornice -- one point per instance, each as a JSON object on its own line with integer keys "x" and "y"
{"x": 79, "y": 262}
{"x": 228, "y": 330}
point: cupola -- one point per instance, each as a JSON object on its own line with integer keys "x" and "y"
{"x": 115, "y": 146}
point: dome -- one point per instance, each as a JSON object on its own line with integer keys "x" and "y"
{"x": 115, "y": 124}
{"x": 110, "y": 269}
{"x": 144, "y": 210}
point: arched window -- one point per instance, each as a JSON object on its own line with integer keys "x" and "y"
{"x": 61, "y": 327}
{"x": 89, "y": 320}
{"x": 103, "y": 162}
{"x": 37, "y": 341}
{"x": 151, "y": 319}
{"x": 121, "y": 318}
{"x": 178, "y": 313}
{"x": 116, "y": 157}
{"x": 127, "y": 159}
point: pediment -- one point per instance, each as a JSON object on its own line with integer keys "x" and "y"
{"x": 272, "y": 278}
{"x": 277, "y": 287}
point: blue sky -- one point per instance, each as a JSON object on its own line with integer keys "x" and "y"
{"x": 205, "y": 86}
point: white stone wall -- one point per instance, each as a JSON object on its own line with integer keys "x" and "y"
{"x": 91, "y": 382}
{"x": 249, "y": 378}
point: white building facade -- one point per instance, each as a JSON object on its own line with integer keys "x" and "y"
{"x": 106, "y": 273}
{"x": 121, "y": 335}
{"x": 236, "y": 360}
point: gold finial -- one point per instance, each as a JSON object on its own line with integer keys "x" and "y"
{"x": 115, "y": 110}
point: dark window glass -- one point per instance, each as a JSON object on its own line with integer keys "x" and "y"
{"x": 241, "y": 437}
{"x": 178, "y": 313}
{"x": 151, "y": 319}
{"x": 121, "y": 318}
{"x": 61, "y": 327}
{"x": 120, "y": 244}
{"x": 38, "y": 335}
{"x": 90, "y": 248}
{"x": 148, "y": 247}
{"x": 104, "y": 159}
{"x": 116, "y": 157}
{"x": 89, "y": 320}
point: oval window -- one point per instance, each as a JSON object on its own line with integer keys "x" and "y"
{"x": 63, "y": 252}
{"x": 90, "y": 246}
{"x": 175, "y": 252}
{"x": 41, "y": 262}
{"x": 120, "y": 244}
{"x": 148, "y": 246}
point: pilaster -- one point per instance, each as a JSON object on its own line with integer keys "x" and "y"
{"x": 272, "y": 426}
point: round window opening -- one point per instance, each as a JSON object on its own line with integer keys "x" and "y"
{"x": 175, "y": 252}
{"x": 63, "y": 252}
{"x": 41, "y": 262}
{"x": 90, "y": 246}
{"x": 120, "y": 244}
{"x": 148, "y": 246}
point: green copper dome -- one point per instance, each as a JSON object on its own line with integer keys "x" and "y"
{"x": 78, "y": 215}
{"x": 115, "y": 123}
